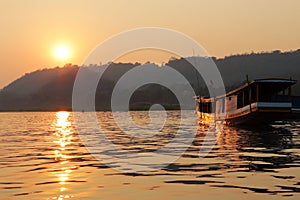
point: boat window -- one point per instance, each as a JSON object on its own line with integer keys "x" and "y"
{"x": 273, "y": 93}
{"x": 240, "y": 100}
{"x": 223, "y": 104}
{"x": 246, "y": 97}
{"x": 253, "y": 94}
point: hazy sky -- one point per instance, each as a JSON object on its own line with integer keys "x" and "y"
{"x": 31, "y": 29}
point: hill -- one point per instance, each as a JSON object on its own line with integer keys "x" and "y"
{"x": 51, "y": 89}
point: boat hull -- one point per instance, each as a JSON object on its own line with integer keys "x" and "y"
{"x": 256, "y": 117}
{"x": 261, "y": 118}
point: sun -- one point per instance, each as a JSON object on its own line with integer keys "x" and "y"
{"x": 62, "y": 52}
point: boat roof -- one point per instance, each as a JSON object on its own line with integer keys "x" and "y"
{"x": 286, "y": 82}
{"x": 282, "y": 82}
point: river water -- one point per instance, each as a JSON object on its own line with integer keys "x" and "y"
{"x": 42, "y": 157}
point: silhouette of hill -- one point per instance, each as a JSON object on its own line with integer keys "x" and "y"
{"x": 47, "y": 89}
{"x": 51, "y": 89}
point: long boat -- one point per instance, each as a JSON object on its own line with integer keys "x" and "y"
{"x": 259, "y": 101}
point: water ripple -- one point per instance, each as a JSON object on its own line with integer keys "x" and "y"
{"x": 42, "y": 157}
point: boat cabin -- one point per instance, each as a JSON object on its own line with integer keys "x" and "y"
{"x": 273, "y": 96}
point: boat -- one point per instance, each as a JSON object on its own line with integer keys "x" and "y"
{"x": 259, "y": 101}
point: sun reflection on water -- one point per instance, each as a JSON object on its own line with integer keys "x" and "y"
{"x": 63, "y": 140}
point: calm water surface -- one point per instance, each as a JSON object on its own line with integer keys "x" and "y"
{"x": 42, "y": 157}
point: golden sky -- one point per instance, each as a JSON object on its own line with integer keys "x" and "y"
{"x": 32, "y": 29}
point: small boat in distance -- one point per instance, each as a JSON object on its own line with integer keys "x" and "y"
{"x": 258, "y": 101}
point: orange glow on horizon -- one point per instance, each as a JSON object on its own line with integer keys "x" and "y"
{"x": 221, "y": 27}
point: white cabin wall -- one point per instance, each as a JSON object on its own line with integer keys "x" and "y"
{"x": 219, "y": 105}
{"x": 231, "y": 103}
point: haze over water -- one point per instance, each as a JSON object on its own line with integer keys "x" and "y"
{"x": 42, "y": 157}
